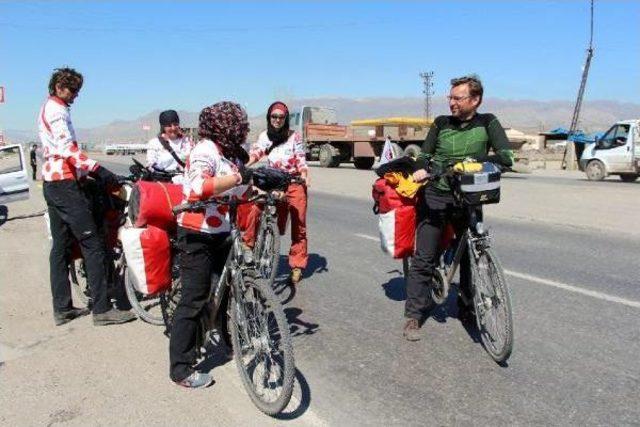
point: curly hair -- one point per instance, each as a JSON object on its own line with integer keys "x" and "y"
{"x": 475, "y": 85}
{"x": 225, "y": 123}
{"x": 67, "y": 78}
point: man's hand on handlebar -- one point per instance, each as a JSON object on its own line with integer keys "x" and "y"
{"x": 421, "y": 175}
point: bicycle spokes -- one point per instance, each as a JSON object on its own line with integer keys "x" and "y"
{"x": 492, "y": 305}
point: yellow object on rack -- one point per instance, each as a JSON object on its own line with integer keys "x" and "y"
{"x": 406, "y": 187}
{"x": 470, "y": 167}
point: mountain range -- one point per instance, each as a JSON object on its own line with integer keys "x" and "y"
{"x": 525, "y": 115}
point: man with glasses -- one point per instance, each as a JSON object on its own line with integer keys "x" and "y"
{"x": 69, "y": 212}
{"x": 464, "y": 134}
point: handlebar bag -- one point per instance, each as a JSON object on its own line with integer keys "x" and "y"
{"x": 479, "y": 188}
{"x": 151, "y": 203}
{"x": 148, "y": 255}
{"x": 396, "y": 219}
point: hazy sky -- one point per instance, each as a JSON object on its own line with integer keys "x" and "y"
{"x": 141, "y": 56}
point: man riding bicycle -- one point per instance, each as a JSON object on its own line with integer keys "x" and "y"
{"x": 462, "y": 135}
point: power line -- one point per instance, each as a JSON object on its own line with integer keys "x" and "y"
{"x": 427, "y": 90}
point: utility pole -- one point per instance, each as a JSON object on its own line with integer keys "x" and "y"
{"x": 572, "y": 152}
{"x": 427, "y": 90}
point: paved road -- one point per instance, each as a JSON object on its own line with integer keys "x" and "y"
{"x": 576, "y": 297}
{"x": 575, "y": 358}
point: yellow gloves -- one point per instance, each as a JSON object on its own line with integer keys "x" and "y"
{"x": 406, "y": 187}
{"x": 468, "y": 167}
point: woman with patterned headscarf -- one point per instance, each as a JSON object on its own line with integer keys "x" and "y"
{"x": 284, "y": 150}
{"x": 214, "y": 168}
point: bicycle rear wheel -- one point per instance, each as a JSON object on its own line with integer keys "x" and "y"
{"x": 267, "y": 251}
{"x": 492, "y": 303}
{"x": 169, "y": 299}
{"x": 262, "y": 347}
{"x": 146, "y": 307}
{"x": 79, "y": 282}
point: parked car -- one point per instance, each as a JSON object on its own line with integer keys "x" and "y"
{"x": 617, "y": 152}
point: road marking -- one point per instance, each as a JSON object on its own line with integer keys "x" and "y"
{"x": 553, "y": 283}
{"x": 365, "y": 236}
{"x": 576, "y": 289}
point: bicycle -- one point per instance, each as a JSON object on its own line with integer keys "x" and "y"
{"x": 267, "y": 246}
{"x": 146, "y": 307}
{"x": 247, "y": 310}
{"x": 491, "y": 299}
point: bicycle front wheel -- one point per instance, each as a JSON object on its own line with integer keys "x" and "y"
{"x": 262, "y": 347}
{"x": 492, "y": 301}
{"x": 267, "y": 252}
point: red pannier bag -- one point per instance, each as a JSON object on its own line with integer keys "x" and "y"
{"x": 151, "y": 203}
{"x": 242, "y": 215}
{"x": 396, "y": 220}
{"x": 148, "y": 255}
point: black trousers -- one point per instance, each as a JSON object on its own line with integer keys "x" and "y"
{"x": 70, "y": 217}
{"x": 202, "y": 258}
{"x": 34, "y": 168}
{"x": 435, "y": 210}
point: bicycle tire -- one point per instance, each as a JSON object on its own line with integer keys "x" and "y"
{"x": 79, "y": 282}
{"x": 141, "y": 304}
{"x": 252, "y": 318}
{"x": 267, "y": 253}
{"x": 406, "y": 265}
{"x": 494, "y": 292}
{"x": 169, "y": 300}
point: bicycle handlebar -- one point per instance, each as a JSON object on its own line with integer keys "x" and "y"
{"x": 202, "y": 204}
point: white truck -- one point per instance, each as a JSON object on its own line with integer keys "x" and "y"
{"x": 617, "y": 152}
{"x": 14, "y": 181}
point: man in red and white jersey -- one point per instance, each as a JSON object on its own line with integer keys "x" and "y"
{"x": 69, "y": 211}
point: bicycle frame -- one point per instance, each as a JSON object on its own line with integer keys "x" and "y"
{"x": 474, "y": 234}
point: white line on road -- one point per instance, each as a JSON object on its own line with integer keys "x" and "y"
{"x": 576, "y": 289}
{"x": 365, "y": 236}
{"x": 559, "y": 285}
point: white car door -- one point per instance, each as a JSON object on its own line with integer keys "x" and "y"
{"x": 614, "y": 148}
{"x": 14, "y": 183}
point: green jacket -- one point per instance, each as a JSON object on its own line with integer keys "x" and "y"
{"x": 451, "y": 140}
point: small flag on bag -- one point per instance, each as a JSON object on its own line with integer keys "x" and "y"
{"x": 387, "y": 152}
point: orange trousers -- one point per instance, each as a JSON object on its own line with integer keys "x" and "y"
{"x": 294, "y": 206}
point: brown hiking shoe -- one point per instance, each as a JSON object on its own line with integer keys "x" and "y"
{"x": 296, "y": 276}
{"x": 411, "y": 330}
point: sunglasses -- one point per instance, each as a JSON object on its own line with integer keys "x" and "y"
{"x": 277, "y": 116}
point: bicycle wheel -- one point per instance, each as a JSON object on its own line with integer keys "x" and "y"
{"x": 267, "y": 251}
{"x": 146, "y": 307}
{"x": 79, "y": 283}
{"x": 406, "y": 265}
{"x": 492, "y": 302}
{"x": 262, "y": 347}
{"x": 169, "y": 300}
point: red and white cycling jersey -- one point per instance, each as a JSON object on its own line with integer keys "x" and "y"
{"x": 289, "y": 156}
{"x": 206, "y": 162}
{"x": 62, "y": 157}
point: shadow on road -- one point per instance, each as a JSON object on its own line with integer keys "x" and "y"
{"x": 304, "y": 399}
{"x": 297, "y": 325}
{"x": 282, "y": 286}
{"x": 218, "y": 353}
{"x": 395, "y": 289}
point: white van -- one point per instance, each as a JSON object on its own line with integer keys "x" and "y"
{"x": 14, "y": 183}
{"x": 617, "y": 152}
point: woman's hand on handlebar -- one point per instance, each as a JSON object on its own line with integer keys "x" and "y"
{"x": 421, "y": 175}
{"x": 278, "y": 195}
